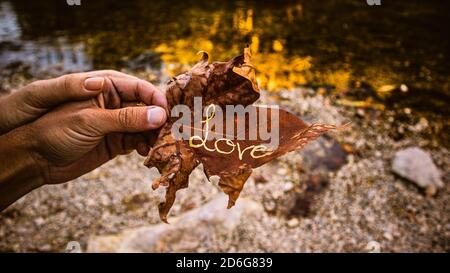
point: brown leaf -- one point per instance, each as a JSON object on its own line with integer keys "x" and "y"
{"x": 230, "y": 158}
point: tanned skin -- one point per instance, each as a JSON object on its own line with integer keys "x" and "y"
{"x": 53, "y": 131}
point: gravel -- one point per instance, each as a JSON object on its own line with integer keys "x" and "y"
{"x": 361, "y": 205}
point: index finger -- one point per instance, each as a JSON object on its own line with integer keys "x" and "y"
{"x": 132, "y": 90}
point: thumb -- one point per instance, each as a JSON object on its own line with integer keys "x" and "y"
{"x": 37, "y": 98}
{"x": 71, "y": 87}
{"x": 130, "y": 119}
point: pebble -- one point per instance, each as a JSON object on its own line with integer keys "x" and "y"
{"x": 404, "y": 88}
{"x": 45, "y": 248}
{"x": 288, "y": 186}
{"x": 39, "y": 221}
{"x": 360, "y": 112}
{"x": 417, "y": 166}
{"x": 282, "y": 171}
{"x": 292, "y": 223}
{"x": 421, "y": 125}
{"x": 388, "y": 236}
{"x": 270, "y": 205}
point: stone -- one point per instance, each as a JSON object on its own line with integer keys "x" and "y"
{"x": 39, "y": 221}
{"x": 185, "y": 233}
{"x": 324, "y": 155}
{"x": 404, "y": 88}
{"x": 417, "y": 166}
{"x": 288, "y": 186}
{"x": 146, "y": 60}
{"x": 293, "y": 223}
{"x": 45, "y": 248}
{"x": 388, "y": 236}
{"x": 270, "y": 205}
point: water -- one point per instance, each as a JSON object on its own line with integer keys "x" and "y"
{"x": 339, "y": 45}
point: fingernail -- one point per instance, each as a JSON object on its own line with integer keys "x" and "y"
{"x": 156, "y": 116}
{"x": 94, "y": 84}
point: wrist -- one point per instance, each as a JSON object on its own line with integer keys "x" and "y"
{"x": 20, "y": 172}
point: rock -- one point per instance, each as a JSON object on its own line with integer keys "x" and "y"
{"x": 420, "y": 126}
{"x": 133, "y": 202}
{"x": 361, "y": 113}
{"x": 146, "y": 60}
{"x": 388, "y": 236}
{"x": 288, "y": 186}
{"x": 185, "y": 233}
{"x": 270, "y": 205}
{"x": 39, "y": 221}
{"x": 301, "y": 207}
{"x": 404, "y": 88}
{"x": 323, "y": 155}
{"x": 45, "y": 248}
{"x": 259, "y": 178}
{"x": 294, "y": 222}
{"x": 417, "y": 166}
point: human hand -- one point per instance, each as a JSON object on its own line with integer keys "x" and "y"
{"x": 35, "y": 99}
{"x": 68, "y": 126}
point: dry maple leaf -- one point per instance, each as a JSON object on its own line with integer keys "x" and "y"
{"x": 220, "y": 83}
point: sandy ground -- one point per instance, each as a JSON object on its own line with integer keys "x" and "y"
{"x": 362, "y": 201}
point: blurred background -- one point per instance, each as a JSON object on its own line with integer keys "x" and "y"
{"x": 384, "y": 68}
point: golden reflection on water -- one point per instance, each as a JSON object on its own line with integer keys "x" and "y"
{"x": 275, "y": 71}
{"x": 336, "y": 44}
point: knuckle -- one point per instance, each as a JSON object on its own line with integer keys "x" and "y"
{"x": 139, "y": 86}
{"x": 123, "y": 117}
{"x": 128, "y": 117}
{"x": 84, "y": 117}
{"x": 34, "y": 85}
{"x": 87, "y": 121}
{"x": 110, "y": 72}
{"x": 65, "y": 81}
{"x": 115, "y": 73}
{"x": 33, "y": 99}
{"x": 30, "y": 92}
